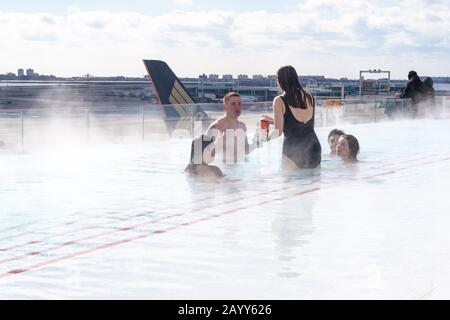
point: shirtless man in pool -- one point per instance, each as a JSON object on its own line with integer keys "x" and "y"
{"x": 230, "y": 132}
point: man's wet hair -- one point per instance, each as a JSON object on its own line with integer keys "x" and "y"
{"x": 227, "y": 97}
{"x": 335, "y": 132}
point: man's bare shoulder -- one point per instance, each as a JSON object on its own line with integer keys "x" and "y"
{"x": 242, "y": 125}
{"x": 217, "y": 124}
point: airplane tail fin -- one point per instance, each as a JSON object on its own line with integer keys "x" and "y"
{"x": 178, "y": 104}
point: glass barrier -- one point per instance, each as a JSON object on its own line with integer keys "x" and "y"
{"x": 28, "y": 128}
{"x": 11, "y": 131}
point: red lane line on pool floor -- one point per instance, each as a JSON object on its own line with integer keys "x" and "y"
{"x": 126, "y": 240}
{"x": 80, "y": 213}
{"x": 86, "y": 227}
{"x": 35, "y": 230}
{"x": 97, "y": 216}
{"x": 41, "y": 229}
{"x": 34, "y": 241}
{"x": 31, "y": 242}
{"x": 91, "y": 227}
{"x": 75, "y": 214}
{"x": 145, "y": 235}
{"x": 100, "y": 215}
{"x": 75, "y": 241}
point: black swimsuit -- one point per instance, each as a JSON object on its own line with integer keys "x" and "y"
{"x": 301, "y": 144}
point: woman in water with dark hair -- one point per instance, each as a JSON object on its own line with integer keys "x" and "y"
{"x": 347, "y": 148}
{"x": 333, "y": 138}
{"x": 202, "y": 153}
{"x": 293, "y": 114}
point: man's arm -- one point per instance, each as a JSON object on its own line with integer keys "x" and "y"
{"x": 213, "y": 130}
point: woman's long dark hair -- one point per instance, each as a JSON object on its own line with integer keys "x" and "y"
{"x": 295, "y": 95}
{"x": 196, "y": 158}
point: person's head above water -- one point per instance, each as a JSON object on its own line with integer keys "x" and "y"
{"x": 428, "y": 82}
{"x": 232, "y": 105}
{"x": 333, "y": 138}
{"x": 202, "y": 150}
{"x": 412, "y": 74}
{"x": 347, "y": 148}
{"x": 202, "y": 154}
{"x": 287, "y": 79}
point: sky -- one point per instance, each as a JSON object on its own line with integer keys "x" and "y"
{"x": 335, "y": 38}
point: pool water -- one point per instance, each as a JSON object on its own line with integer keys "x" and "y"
{"x": 123, "y": 221}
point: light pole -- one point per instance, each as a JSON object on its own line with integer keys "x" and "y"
{"x": 7, "y": 99}
{"x": 88, "y": 104}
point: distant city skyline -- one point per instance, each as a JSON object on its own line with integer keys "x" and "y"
{"x": 335, "y": 38}
{"x": 30, "y": 74}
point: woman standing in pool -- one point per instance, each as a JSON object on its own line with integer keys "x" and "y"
{"x": 293, "y": 114}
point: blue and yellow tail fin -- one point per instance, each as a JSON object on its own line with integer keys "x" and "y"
{"x": 178, "y": 105}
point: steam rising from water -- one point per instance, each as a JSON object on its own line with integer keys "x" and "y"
{"x": 65, "y": 119}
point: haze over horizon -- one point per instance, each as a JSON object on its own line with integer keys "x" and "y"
{"x": 335, "y": 38}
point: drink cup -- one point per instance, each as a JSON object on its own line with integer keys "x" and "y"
{"x": 265, "y": 124}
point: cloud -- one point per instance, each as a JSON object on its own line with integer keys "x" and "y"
{"x": 332, "y": 37}
{"x": 41, "y": 36}
{"x": 48, "y": 20}
{"x": 184, "y": 2}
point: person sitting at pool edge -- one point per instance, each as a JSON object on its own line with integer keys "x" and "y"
{"x": 347, "y": 148}
{"x": 202, "y": 154}
{"x": 228, "y": 126}
{"x": 413, "y": 91}
{"x": 333, "y": 138}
